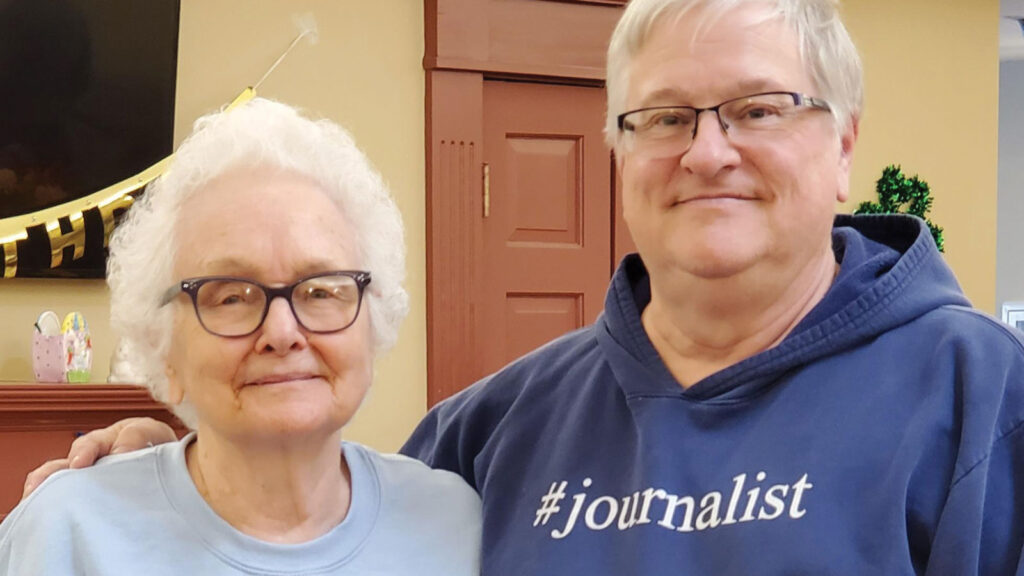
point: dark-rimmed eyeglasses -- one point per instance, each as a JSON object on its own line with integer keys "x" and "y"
{"x": 235, "y": 307}
{"x": 661, "y": 131}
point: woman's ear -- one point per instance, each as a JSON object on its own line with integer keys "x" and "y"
{"x": 175, "y": 392}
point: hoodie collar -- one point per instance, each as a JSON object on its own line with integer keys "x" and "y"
{"x": 890, "y": 274}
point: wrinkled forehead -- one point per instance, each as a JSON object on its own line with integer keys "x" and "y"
{"x": 250, "y": 216}
{"x": 253, "y": 196}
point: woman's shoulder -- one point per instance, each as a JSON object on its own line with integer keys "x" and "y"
{"x": 410, "y": 490}
{"x": 433, "y": 516}
{"x": 115, "y": 472}
{"x": 398, "y": 472}
{"x": 85, "y": 497}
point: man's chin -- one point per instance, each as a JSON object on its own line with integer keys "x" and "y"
{"x": 716, "y": 261}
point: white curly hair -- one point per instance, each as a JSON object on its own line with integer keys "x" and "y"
{"x": 262, "y": 133}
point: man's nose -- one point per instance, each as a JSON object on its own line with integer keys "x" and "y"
{"x": 711, "y": 149}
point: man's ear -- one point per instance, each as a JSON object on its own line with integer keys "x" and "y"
{"x": 618, "y": 155}
{"x": 847, "y": 141}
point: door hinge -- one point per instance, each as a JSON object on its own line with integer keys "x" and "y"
{"x": 487, "y": 190}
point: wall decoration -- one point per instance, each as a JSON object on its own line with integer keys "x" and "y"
{"x": 45, "y": 238}
{"x": 48, "y": 361}
{"x": 56, "y": 237}
{"x": 88, "y": 92}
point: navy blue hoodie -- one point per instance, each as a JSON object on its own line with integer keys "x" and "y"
{"x": 882, "y": 436}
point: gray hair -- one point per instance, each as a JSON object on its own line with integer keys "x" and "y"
{"x": 825, "y": 47}
{"x": 258, "y": 133}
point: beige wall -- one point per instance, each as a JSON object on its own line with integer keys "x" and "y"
{"x": 366, "y": 73}
{"x": 932, "y": 80}
{"x": 932, "y": 94}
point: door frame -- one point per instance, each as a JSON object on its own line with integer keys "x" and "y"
{"x": 466, "y": 42}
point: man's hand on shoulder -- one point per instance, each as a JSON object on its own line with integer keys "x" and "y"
{"x": 122, "y": 436}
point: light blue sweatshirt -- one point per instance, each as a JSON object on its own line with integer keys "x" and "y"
{"x": 141, "y": 514}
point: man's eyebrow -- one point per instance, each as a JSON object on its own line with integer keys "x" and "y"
{"x": 664, "y": 97}
{"x": 755, "y": 85}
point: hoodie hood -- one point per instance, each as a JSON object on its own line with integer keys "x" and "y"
{"x": 890, "y": 274}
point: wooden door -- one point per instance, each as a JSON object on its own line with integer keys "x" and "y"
{"x": 547, "y": 228}
{"x": 516, "y": 85}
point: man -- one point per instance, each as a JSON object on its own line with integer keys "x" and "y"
{"x": 767, "y": 391}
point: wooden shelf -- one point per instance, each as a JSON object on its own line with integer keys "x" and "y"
{"x": 38, "y": 422}
{"x": 31, "y": 406}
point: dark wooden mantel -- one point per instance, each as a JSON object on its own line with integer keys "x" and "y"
{"x": 38, "y": 422}
{"x": 31, "y": 406}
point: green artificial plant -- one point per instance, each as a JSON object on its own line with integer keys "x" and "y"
{"x": 898, "y": 194}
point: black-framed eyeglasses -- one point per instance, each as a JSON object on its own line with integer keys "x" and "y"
{"x": 235, "y": 307}
{"x": 671, "y": 130}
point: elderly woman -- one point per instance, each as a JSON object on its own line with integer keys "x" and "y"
{"x": 254, "y": 283}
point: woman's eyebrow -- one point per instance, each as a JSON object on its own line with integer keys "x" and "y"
{"x": 229, "y": 265}
{"x": 235, "y": 266}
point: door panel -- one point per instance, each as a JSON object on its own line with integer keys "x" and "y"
{"x": 532, "y": 319}
{"x": 554, "y": 133}
{"x": 548, "y": 236}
